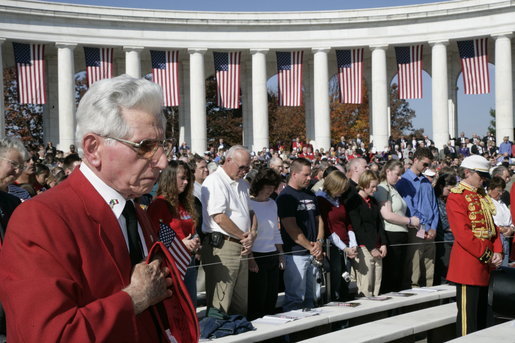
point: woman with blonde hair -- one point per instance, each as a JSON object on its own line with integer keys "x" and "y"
{"x": 338, "y": 230}
{"x": 174, "y": 206}
{"x": 370, "y": 235}
{"x": 393, "y": 210}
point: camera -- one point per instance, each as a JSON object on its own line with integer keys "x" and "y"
{"x": 346, "y": 276}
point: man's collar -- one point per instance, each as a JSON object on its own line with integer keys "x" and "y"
{"x": 224, "y": 175}
{"x": 114, "y": 199}
{"x": 409, "y": 174}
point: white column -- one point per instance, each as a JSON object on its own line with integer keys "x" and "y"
{"x": 2, "y": 105}
{"x": 246, "y": 100}
{"x": 503, "y": 87}
{"x": 133, "y": 60}
{"x": 66, "y": 94}
{"x": 308, "y": 99}
{"x": 184, "y": 105}
{"x": 440, "y": 91}
{"x": 321, "y": 99}
{"x": 379, "y": 97}
{"x": 259, "y": 100}
{"x": 198, "y": 101}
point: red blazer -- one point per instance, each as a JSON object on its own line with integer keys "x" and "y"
{"x": 472, "y": 249}
{"x": 63, "y": 266}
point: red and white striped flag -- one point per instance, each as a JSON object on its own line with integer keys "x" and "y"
{"x": 227, "y": 69}
{"x": 165, "y": 72}
{"x": 289, "y": 70}
{"x": 409, "y": 62}
{"x": 176, "y": 248}
{"x": 30, "y": 67}
{"x": 350, "y": 75}
{"x": 99, "y": 64}
{"x": 474, "y": 65}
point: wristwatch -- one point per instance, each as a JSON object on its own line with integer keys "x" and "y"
{"x": 321, "y": 241}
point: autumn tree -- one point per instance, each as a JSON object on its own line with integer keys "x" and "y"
{"x": 285, "y": 123}
{"x": 491, "y": 127}
{"x": 24, "y": 121}
{"x": 401, "y": 115}
{"x": 348, "y": 119}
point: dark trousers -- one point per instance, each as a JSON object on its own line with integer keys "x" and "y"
{"x": 472, "y": 302}
{"x": 442, "y": 257}
{"x": 394, "y": 277}
{"x": 339, "y": 287}
{"x": 263, "y": 285}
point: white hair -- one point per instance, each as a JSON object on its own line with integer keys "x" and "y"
{"x": 100, "y": 110}
{"x": 232, "y": 150}
{"x": 12, "y": 143}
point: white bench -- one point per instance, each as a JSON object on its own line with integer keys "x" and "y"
{"x": 392, "y": 328}
{"x": 502, "y": 333}
{"x": 332, "y": 314}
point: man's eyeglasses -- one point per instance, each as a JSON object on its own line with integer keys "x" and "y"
{"x": 14, "y": 164}
{"x": 426, "y": 165}
{"x": 147, "y": 148}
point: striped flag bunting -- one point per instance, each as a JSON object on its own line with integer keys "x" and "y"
{"x": 176, "y": 248}
{"x": 289, "y": 70}
{"x": 474, "y": 65}
{"x": 99, "y": 64}
{"x": 350, "y": 75}
{"x": 409, "y": 63}
{"x": 227, "y": 70}
{"x": 165, "y": 72}
{"x": 30, "y": 68}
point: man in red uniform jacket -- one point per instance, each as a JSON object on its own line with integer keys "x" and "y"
{"x": 70, "y": 267}
{"x": 477, "y": 248}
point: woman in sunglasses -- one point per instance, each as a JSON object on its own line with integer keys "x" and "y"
{"x": 174, "y": 208}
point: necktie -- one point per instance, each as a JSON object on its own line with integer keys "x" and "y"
{"x": 131, "y": 220}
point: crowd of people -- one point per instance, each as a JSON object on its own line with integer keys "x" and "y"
{"x": 408, "y": 216}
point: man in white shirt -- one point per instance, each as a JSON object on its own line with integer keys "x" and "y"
{"x": 201, "y": 172}
{"x": 230, "y": 229}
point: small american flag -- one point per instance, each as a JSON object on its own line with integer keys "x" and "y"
{"x": 165, "y": 72}
{"x": 227, "y": 68}
{"x": 474, "y": 64}
{"x": 289, "y": 70}
{"x": 409, "y": 62}
{"x": 175, "y": 246}
{"x": 99, "y": 64}
{"x": 350, "y": 74}
{"x": 30, "y": 67}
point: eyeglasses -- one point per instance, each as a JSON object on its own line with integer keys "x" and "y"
{"x": 426, "y": 165}
{"x": 147, "y": 148}
{"x": 243, "y": 167}
{"x": 14, "y": 164}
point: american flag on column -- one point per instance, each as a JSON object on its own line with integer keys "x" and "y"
{"x": 350, "y": 75}
{"x": 176, "y": 248}
{"x": 289, "y": 70}
{"x": 474, "y": 64}
{"x": 165, "y": 72}
{"x": 99, "y": 64}
{"x": 227, "y": 69}
{"x": 30, "y": 67}
{"x": 409, "y": 62}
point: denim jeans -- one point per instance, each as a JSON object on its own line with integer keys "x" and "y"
{"x": 299, "y": 282}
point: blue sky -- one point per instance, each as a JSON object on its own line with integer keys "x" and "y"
{"x": 473, "y": 110}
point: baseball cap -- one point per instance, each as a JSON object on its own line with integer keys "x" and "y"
{"x": 477, "y": 163}
{"x": 429, "y": 172}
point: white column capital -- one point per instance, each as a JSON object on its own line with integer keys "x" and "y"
{"x": 197, "y": 51}
{"x": 439, "y": 42}
{"x": 502, "y": 35}
{"x": 133, "y": 48}
{"x": 315, "y": 50}
{"x": 378, "y": 47}
{"x": 68, "y": 45}
{"x": 259, "y": 51}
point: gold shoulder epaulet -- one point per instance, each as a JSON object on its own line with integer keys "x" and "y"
{"x": 458, "y": 189}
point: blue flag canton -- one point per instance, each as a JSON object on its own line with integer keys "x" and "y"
{"x": 166, "y": 234}
{"x": 158, "y": 59}
{"x": 22, "y": 53}
{"x": 466, "y": 49}
{"x": 283, "y": 60}
{"x": 221, "y": 61}
{"x": 344, "y": 58}
{"x": 403, "y": 54}
{"x": 92, "y": 56}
